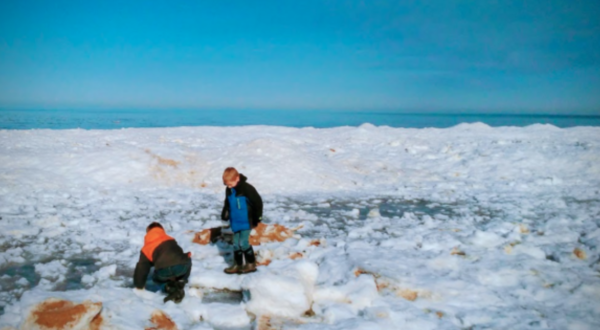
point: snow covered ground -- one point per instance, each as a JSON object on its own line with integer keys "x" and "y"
{"x": 466, "y": 227}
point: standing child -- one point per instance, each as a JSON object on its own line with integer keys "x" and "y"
{"x": 172, "y": 267}
{"x": 243, "y": 208}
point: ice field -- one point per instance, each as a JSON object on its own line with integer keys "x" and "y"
{"x": 469, "y": 227}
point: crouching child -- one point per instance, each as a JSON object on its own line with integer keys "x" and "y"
{"x": 243, "y": 208}
{"x": 172, "y": 266}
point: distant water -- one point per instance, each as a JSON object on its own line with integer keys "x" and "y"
{"x": 113, "y": 119}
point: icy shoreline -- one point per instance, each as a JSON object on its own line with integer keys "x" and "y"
{"x": 422, "y": 228}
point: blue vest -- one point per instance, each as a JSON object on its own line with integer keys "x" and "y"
{"x": 238, "y": 212}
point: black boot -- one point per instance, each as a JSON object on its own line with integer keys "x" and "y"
{"x": 250, "y": 265}
{"x": 176, "y": 296}
{"x": 238, "y": 261}
{"x": 171, "y": 287}
{"x": 174, "y": 291}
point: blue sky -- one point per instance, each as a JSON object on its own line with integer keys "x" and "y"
{"x": 402, "y": 55}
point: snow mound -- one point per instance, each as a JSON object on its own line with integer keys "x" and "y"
{"x": 284, "y": 292}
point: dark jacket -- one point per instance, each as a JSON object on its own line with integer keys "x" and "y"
{"x": 253, "y": 201}
{"x": 160, "y": 251}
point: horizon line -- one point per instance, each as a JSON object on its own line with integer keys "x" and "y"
{"x": 406, "y": 111}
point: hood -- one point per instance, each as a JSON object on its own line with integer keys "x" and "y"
{"x": 154, "y": 234}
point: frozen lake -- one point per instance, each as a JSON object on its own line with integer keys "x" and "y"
{"x": 467, "y": 227}
{"x": 337, "y": 217}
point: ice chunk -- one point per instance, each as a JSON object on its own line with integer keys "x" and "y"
{"x": 285, "y": 292}
{"x": 88, "y": 279}
{"x": 529, "y": 250}
{"x": 500, "y": 278}
{"x": 487, "y": 239}
{"x": 224, "y": 316}
{"x": 374, "y": 213}
{"x": 105, "y": 272}
{"x": 359, "y": 293}
{"x": 51, "y": 270}
{"x": 22, "y": 282}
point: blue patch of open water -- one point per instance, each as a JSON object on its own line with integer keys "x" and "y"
{"x": 115, "y": 119}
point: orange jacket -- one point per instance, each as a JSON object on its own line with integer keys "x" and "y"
{"x": 153, "y": 239}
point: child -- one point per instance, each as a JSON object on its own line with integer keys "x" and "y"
{"x": 243, "y": 208}
{"x": 172, "y": 267}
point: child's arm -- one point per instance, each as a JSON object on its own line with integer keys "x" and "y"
{"x": 257, "y": 204}
{"x": 225, "y": 211}
{"x": 141, "y": 271}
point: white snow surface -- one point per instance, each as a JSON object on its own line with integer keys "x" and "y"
{"x": 465, "y": 227}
